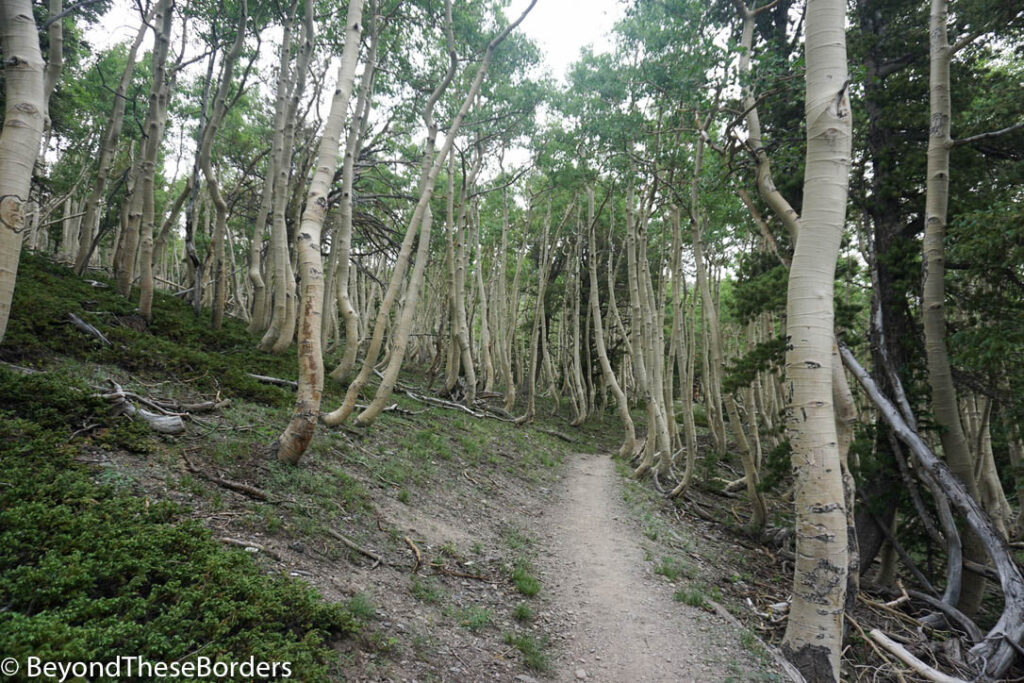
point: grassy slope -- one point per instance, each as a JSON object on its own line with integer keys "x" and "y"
{"x": 120, "y": 559}
{"x": 89, "y": 564}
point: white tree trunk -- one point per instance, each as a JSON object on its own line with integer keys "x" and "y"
{"x": 814, "y": 632}
{"x": 297, "y": 436}
{"x": 24, "y": 113}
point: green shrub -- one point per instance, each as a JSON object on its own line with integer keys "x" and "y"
{"x": 88, "y": 572}
{"x": 59, "y": 402}
{"x": 534, "y": 656}
{"x": 522, "y": 612}
{"x": 525, "y": 582}
{"x": 177, "y": 344}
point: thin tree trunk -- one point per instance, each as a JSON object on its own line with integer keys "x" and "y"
{"x": 296, "y": 437}
{"x": 281, "y": 330}
{"x": 629, "y": 439}
{"x": 108, "y": 148}
{"x": 940, "y": 378}
{"x": 343, "y": 235}
{"x": 155, "y": 120}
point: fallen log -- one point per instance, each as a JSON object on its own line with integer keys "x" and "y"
{"x": 276, "y": 381}
{"x": 996, "y": 652}
{"x": 910, "y": 660}
{"x": 164, "y": 424}
{"x": 88, "y": 329}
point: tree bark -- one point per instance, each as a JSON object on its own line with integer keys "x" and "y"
{"x": 814, "y": 632}
{"x": 24, "y": 113}
{"x": 155, "y": 120}
{"x": 343, "y": 236}
{"x": 940, "y": 377}
{"x": 297, "y": 435}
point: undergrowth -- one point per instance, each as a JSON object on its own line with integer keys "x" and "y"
{"x": 88, "y": 570}
{"x": 177, "y": 345}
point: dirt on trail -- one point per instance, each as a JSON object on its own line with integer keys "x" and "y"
{"x": 622, "y": 623}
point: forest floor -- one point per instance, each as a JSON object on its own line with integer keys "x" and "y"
{"x": 461, "y": 548}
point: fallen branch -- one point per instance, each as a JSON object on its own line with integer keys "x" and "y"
{"x": 249, "y": 544}
{"x": 236, "y": 486}
{"x": 416, "y": 552}
{"x": 557, "y": 435}
{"x": 88, "y": 329}
{"x": 275, "y": 381}
{"x": 952, "y": 614}
{"x": 905, "y": 656}
{"x": 441, "y": 569}
{"x": 17, "y": 369}
{"x": 165, "y": 424}
{"x": 399, "y": 388}
{"x": 878, "y": 651}
{"x": 349, "y": 543}
{"x": 994, "y": 654}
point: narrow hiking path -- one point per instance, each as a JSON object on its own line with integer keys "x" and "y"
{"x": 622, "y": 621}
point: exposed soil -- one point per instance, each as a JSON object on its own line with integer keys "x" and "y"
{"x": 623, "y": 622}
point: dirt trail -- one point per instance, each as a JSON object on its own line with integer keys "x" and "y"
{"x": 623, "y": 622}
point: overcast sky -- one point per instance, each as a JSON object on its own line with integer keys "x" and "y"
{"x": 562, "y": 27}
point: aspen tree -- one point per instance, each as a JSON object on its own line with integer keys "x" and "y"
{"x": 487, "y": 360}
{"x": 155, "y": 120}
{"x": 220, "y": 108}
{"x": 382, "y": 318}
{"x": 105, "y": 157}
{"x": 543, "y": 268}
{"x": 432, "y": 167}
{"x": 814, "y": 631}
{"x": 343, "y": 237}
{"x": 462, "y": 341}
{"x": 940, "y": 377}
{"x": 281, "y": 330}
{"x": 293, "y": 442}
{"x": 685, "y": 356}
{"x": 24, "y": 114}
{"x": 629, "y": 439}
{"x": 261, "y": 292}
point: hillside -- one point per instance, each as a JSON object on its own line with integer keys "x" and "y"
{"x": 434, "y": 546}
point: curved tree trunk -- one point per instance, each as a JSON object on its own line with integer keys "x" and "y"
{"x": 814, "y": 632}
{"x": 297, "y": 435}
{"x": 432, "y": 166}
{"x": 108, "y": 148}
{"x": 343, "y": 236}
{"x": 281, "y": 330}
{"x": 629, "y": 439}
